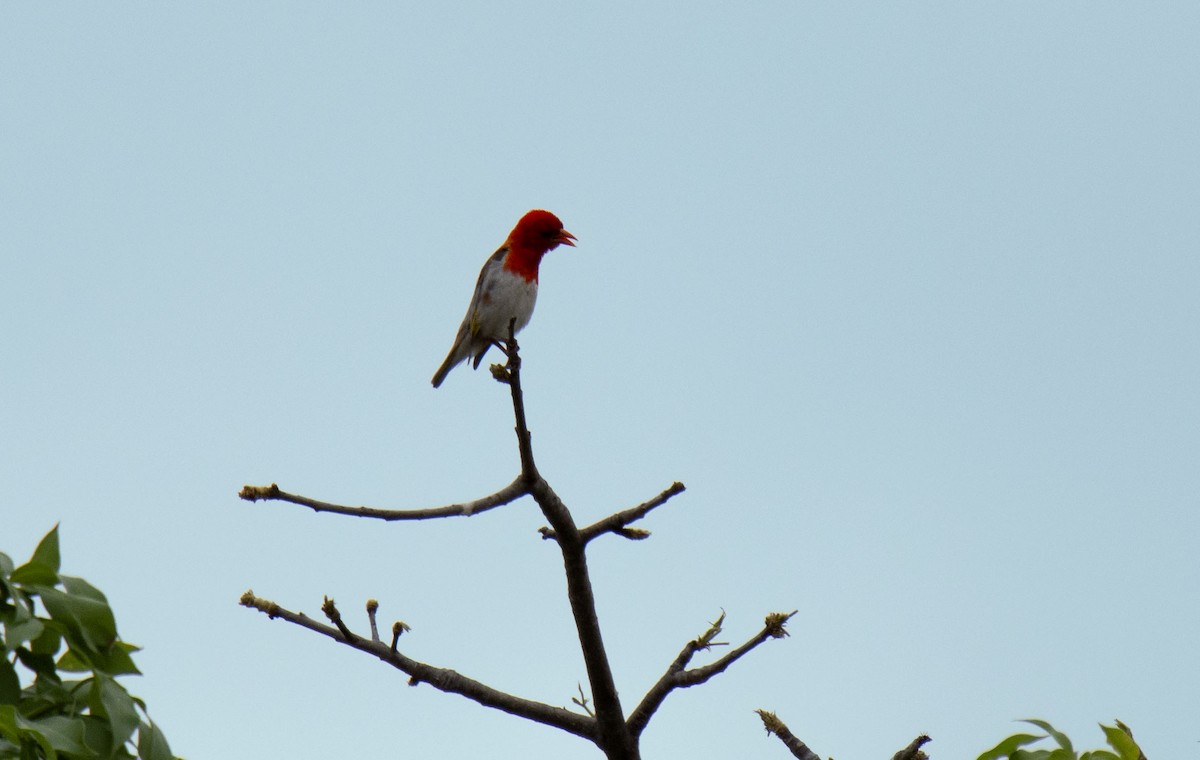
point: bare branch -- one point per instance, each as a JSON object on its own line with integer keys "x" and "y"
{"x": 774, "y": 725}
{"x": 913, "y": 750}
{"x": 618, "y": 523}
{"x": 605, "y": 724}
{"x": 509, "y": 493}
{"x": 441, "y": 679}
{"x": 615, "y": 523}
{"x": 678, "y": 678}
{"x": 510, "y": 374}
{"x": 335, "y": 617}
{"x": 772, "y": 630}
{"x": 613, "y": 736}
{"x": 582, "y": 700}
{"x": 372, "y": 608}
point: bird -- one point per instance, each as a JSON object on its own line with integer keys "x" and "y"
{"x": 506, "y": 289}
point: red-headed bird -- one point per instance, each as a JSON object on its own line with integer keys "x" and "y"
{"x": 507, "y": 288}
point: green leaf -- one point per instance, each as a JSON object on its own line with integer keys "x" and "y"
{"x": 90, "y": 618}
{"x": 1099, "y": 754}
{"x": 62, "y": 733}
{"x": 1008, "y": 746}
{"x": 97, "y": 735}
{"x": 1122, "y": 742}
{"x": 49, "y": 695}
{"x": 1057, "y": 735}
{"x": 52, "y": 735}
{"x": 72, "y": 661}
{"x": 80, "y": 587}
{"x": 8, "y": 724}
{"x": 49, "y": 642}
{"x": 7, "y": 590}
{"x": 42, "y": 742}
{"x": 41, "y": 664}
{"x": 10, "y": 684}
{"x": 18, "y": 609}
{"x": 116, "y": 661}
{"x": 110, "y": 701}
{"x": 17, "y": 634}
{"x": 42, "y": 567}
{"x": 152, "y": 744}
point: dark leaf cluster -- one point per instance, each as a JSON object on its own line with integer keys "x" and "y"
{"x": 59, "y": 638}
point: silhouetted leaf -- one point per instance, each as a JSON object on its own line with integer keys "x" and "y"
{"x": 1054, "y": 733}
{"x": 1009, "y": 745}
{"x": 1122, "y": 742}
{"x": 42, "y": 567}
{"x": 10, "y": 684}
{"x": 110, "y": 700}
{"x": 152, "y": 745}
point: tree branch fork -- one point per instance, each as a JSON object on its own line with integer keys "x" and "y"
{"x": 604, "y": 723}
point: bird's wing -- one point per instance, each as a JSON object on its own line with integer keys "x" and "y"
{"x": 483, "y": 285}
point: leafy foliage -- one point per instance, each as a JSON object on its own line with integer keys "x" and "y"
{"x": 1119, "y": 737}
{"x": 56, "y": 716}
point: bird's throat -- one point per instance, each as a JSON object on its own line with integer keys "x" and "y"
{"x": 523, "y": 262}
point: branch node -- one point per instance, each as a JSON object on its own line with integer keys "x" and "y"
{"x": 335, "y": 617}
{"x": 504, "y": 373}
{"x": 705, "y": 641}
{"x": 262, "y": 605}
{"x": 582, "y": 700}
{"x": 771, "y": 721}
{"x": 398, "y": 628}
{"x": 254, "y": 493}
{"x": 633, "y": 534}
{"x": 776, "y": 621}
{"x": 500, "y": 373}
{"x": 618, "y": 523}
{"x": 775, "y": 726}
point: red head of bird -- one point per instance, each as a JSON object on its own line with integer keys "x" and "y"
{"x": 536, "y": 233}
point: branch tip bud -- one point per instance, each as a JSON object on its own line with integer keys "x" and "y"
{"x": 771, "y": 721}
{"x": 776, "y": 621}
{"x": 254, "y": 493}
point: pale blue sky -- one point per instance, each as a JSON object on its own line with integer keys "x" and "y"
{"x": 906, "y": 294}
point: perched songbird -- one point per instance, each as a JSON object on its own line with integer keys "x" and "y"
{"x": 507, "y": 288}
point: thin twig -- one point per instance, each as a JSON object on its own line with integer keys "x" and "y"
{"x": 618, "y": 523}
{"x": 774, "y": 725}
{"x": 676, "y": 677}
{"x": 582, "y": 700}
{"x": 614, "y": 523}
{"x": 398, "y": 629}
{"x": 509, "y": 493}
{"x": 331, "y": 611}
{"x": 441, "y": 679}
{"x": 372, "y": 608}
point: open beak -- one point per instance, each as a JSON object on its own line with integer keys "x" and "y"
{"x": 566, "y": 238}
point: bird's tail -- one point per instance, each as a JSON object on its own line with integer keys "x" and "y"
{"x": 447, "y": 365}
{"x": 465, "y": 346}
